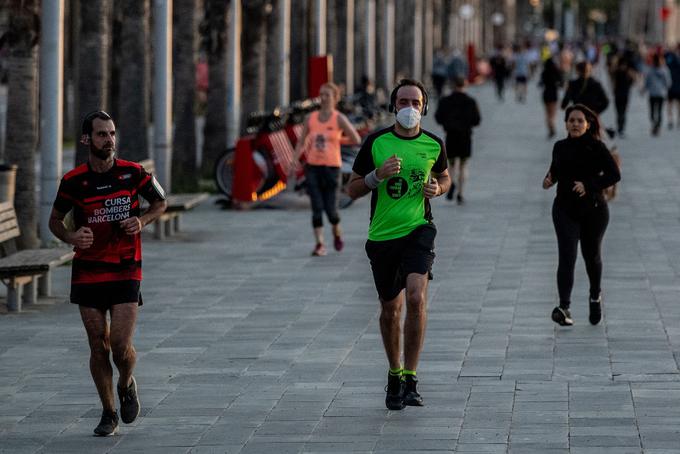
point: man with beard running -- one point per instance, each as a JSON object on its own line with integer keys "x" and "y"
{"x": 107, "y": 269}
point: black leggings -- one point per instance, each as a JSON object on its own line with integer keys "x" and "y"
{"x": 588, "y": 228}
{"x": 621, "y": 103}
{"x": 656, "y": 110}
{"x": 322, "y": 187}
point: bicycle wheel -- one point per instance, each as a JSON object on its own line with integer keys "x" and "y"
{"x": 224, "y": 172}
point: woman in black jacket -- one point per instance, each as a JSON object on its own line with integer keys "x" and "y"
{"x": 582, "y": 167}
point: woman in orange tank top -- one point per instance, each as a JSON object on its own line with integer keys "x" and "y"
{"x": 321, "y": 136}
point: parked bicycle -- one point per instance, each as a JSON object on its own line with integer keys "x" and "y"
{"x": 257, "y": 168}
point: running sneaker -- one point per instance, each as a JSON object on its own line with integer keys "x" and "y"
{"x": 108, "y": 424}
{"x": 411, "y": 395}
{"x": 595, "y": 310}
{"x": 394, "y": 400}
{"x": 459, "y": 199}
{"x": 562, "y": 316}
{"x": 129, "y": 402}
{"x": 319, "y": 250}
{"x": 338, "y": 244}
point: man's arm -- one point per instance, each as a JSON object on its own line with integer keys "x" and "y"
{"x": 440, "y": 185}
{"x": 135, "y": 224}
{"x": 82, "y": 238}
{"x": 358, "y": 187}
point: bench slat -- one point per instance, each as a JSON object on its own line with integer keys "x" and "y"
{"x": 33, "y": 261}
{"x": 183, "y": 202}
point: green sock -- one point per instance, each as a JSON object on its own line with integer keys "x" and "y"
{"x": 409, "y": 372}
{"x": 397, "y": 371}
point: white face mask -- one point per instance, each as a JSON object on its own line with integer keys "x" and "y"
{"x": 408, "y": 117}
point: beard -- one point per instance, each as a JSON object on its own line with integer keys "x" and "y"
{"x": 102, "y": 153}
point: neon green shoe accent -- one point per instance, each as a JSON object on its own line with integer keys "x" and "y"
{"x": 409, "y": 372}
{"x": 397, "y": 371}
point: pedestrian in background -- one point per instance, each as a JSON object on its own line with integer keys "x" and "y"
{"x": 582, "y": 167}
{"x": 586, "y": 90}
{"x": 458, "y": 113}
{"x": 439, "y": 72}
{"x": 657, "y": 84}
{"x": 520, "y": 69}
{"x": 673, "y": 64}
{"x": 403, "y": 167}
{"x": 321, "y": 140}
{"x": 551, "y": 81}
{"x": 499, "y": 69}
{"x": 107, "y": 269}
{"x": 623, "y": 78}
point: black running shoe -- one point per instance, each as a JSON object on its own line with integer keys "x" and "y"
{"x": 394, "y": 400}
{"x": 562, "y": 316}
{"x": 411, "y": 395}
{"x": 595, "y": 311}
{"x": 129, "y": 402}
{"x": 108, "y": 425}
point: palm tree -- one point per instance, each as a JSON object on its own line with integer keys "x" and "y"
{"x": 214, "y": 43}
{"x": 22, "y": 109}
{"x": 300, "y": 42}
{"x": 185, "y": 44}
{"x": 93, "y": 68}
{"x": 253, "y": 48}
{"x": 133, "y": 85}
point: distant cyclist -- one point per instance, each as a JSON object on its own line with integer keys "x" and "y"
{"x": 403, "y": 167}
{"x": 321, "y": 138}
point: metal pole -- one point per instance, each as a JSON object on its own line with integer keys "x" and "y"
{"x": 320, "y": 38}
{"x": 389, "y": 43}
{"x": 51, "y": 103}
{"x": 370, "y": 40}
{"x": 234, "y": 75}
{"x": 162, "y": 92}
{"x": 349, "y": 49}
{"x": 284, "y": 39}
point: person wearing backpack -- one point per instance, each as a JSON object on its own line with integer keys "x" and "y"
{"x": 458, "y": 114}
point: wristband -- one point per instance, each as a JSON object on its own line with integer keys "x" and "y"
{"x": 371, "y": 180}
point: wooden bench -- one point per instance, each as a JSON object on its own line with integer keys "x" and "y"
{"x": 169, "y": 222}
{"x": 25, "y": 273}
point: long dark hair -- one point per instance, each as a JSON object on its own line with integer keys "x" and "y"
{"x": 594, "y": 126}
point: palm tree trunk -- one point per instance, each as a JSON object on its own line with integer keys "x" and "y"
{"x": 253, "y": 48}
{"x": 185, "y": 39}
{"x": 214, "y": 43}
{"x": 133, "y": 85}
{"x": 22, "y": 109}
{"x": 299, "y": 48}
{"x": 93, "y": 64}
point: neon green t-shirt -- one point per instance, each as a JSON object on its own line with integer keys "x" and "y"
{"x": 398, "y": 205}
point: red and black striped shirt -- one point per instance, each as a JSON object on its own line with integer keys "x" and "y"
{"x": 101, "y": 201}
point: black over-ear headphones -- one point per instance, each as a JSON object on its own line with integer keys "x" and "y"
{"x": 403, "y": 83}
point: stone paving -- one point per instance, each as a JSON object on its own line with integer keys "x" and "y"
{"x": 248, "y": 345}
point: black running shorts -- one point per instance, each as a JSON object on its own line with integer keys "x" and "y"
{"x": 103, "y": 295}
{"x": 393, "y": 260}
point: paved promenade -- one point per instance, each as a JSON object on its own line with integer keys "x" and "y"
{"x": 246, "y": 344}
